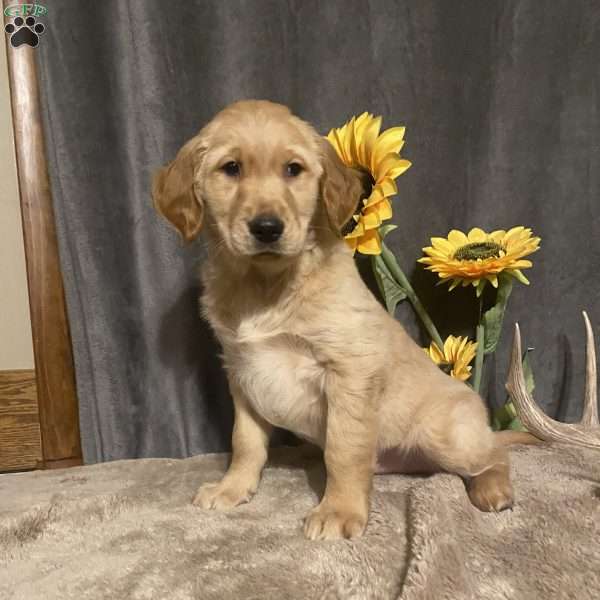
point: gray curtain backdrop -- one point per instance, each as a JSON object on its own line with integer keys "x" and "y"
{"x": 500, "y": 100}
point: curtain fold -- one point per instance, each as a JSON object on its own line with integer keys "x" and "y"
{"x": 500, "y": 101}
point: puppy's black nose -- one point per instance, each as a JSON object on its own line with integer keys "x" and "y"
{"x": 266, "y": 228}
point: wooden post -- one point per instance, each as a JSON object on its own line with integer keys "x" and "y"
{"x": 55, "y": 377}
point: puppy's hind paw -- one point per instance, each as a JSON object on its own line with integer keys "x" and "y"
{"x": 492, "y": 491}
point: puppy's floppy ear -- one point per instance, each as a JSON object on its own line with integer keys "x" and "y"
{"x": 341, "y": 187}
{"x": 173, "y": 190}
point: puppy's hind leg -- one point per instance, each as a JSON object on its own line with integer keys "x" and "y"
{"x": 250, "y": 443}
{"x": 455, "y": 434}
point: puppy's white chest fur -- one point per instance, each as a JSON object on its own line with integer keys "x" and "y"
{"x": 281, "y": 378}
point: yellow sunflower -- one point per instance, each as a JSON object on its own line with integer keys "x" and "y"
{"x": 479, "y": 257}
{"x": 455, "y": 357}
{"x": 359, "y": 145}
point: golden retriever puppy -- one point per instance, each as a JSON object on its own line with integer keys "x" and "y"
{"x": 306, "y": 345}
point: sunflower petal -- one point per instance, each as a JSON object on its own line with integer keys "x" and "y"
{"x": 388, "y": 187}
{"x": 390, "y": 140}
{"x": 340, "y": 145}
{"x": 439, "y": 254}
{"x": 352, "y": 242}
{"x": 359, "y": 128}
{"x": 521, "y": 264}
{"x": 371, "y": 219}
{"x": 403, "y": 165}
{"x": 342, "y": 136}
{"x": 515, "y": 231}
{"x": 370, "y": 242}
{"x": 476, "y": 235}
{"x": 497, "y": 236}
{"x": 375, "y": 196}
{"x": 443, "y": 244}
{"x": 332, "y": 138}
{"x": 457, "y": 238}
{"x": 383, "y": 209}
{"x": 358, "y": 230}
{"x": 391, "y": 166}
{"x": 369, "y": 138}
{"x": 436, "y": 354}
{"x": 448, "y": 344}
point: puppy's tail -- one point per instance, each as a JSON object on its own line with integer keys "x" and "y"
{"x": 509, "y": 437}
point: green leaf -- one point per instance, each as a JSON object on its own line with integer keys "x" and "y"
{"x": 496, "y": 424}
{"x": 527, "y": 372}
{"x": 506, "y": 417}
{"x": 516, "y": 425}
{"x": 492, "y": 319}
{"x": 502, "y": 417}
{"x": 393, "y": 293}
{"x": 385, "y": 229}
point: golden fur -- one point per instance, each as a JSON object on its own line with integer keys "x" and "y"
{"x": 306, "y": 345}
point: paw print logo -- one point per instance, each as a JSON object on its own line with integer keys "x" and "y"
{"x": 24, "y": 31}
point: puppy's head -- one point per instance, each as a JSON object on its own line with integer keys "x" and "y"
{"x": 261, "y": 179}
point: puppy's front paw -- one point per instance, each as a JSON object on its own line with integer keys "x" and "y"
{"x": 222, "y": 496}
{"x": 327, "y": 522}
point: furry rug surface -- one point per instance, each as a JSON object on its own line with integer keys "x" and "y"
{"x": 127, "y": 530}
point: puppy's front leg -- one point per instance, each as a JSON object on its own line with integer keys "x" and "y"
{"x": 250, "y": 444}
{"x": 349, "y": 459}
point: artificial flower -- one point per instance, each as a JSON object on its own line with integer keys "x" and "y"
{"x": 360, "y": 145}
{"x": 478, "y": 257}
{"x": 455, "y": 357}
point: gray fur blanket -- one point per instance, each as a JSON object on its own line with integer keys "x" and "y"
{"x": 127, "y": 530}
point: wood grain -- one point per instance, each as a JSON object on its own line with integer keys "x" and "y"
{"x": 20, "y": 442}
{"x": 63, "y": 464}
{"x": 58, "y": 410}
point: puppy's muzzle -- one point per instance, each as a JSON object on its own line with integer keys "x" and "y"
{"x": 267, "y": 229}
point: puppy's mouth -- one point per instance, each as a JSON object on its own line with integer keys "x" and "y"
{"x": 273, "y": 255}
{"x": 271, "y": 261}
{"x": 266, "y": 239}
{"x": 270, "y": 254}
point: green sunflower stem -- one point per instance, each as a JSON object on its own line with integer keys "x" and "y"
{"x": 478, "y": 370}
{"x": 401, "y": 278}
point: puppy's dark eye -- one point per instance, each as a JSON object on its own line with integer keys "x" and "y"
{"x": 231, "y": 168}
{"x": 293, "y": 169}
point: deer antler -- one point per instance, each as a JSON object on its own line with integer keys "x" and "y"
{"x": 587, "y": 432}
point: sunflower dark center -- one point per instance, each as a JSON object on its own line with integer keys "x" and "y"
{"x": 367, "y": 184}
{"x": 476, "y": 250}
